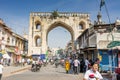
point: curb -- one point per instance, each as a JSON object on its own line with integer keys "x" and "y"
{"x": 19, "y": 70}
{"x": 16, "y": 71}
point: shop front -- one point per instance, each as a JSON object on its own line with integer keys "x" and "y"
{"x": 108, "y": 59}
{"x": 90, "y": 53}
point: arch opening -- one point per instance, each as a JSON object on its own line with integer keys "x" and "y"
{"x": 37, "y": 41}
{"x": 61, "y": 26}
{"x": 82, "y": 26}
{"x": 38, "y": 25}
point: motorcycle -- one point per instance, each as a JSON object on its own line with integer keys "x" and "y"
{"x": 35, "y": 67}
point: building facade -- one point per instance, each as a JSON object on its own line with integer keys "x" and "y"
{"x": 11, "y": 44}
{"x": 93, "y": 43}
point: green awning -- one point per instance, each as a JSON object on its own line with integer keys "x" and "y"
{"x": 113, "y": 44}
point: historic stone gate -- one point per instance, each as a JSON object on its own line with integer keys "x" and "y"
{"x": 43, "y": 22}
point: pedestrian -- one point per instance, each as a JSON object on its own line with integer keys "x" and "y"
{"x": 71, "y": 65}
{"x": 86, "y": 64}
{"x": 93, "y": 73}
{"x": 76, "y": 65}
{"x": 82, "y": 66}
{"x": 23, "y": 62}
{"x": 89, "y": 65}
{"x": 1, "y": 70}
{"x": 28, "y": 61}
{"x": 97, "y": 60}
{"x": 67, "y": 66}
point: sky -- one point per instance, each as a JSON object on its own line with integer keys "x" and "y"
{"x": 15, "y": 13}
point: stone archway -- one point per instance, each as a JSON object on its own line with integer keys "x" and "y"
{"x": 62, "y": 24}
{"x": 47, "y": 21}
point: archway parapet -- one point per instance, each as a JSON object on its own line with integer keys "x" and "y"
{"x": 61, "y": 14}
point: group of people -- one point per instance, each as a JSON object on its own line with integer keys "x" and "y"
{"x": 72, "y": 65}
{"x": 90, "y": 68}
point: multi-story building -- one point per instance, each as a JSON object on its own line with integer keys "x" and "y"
{"x": 6, "y": 38}
{"x": 94, "y": 42}
{"x": 21, "y": 47}
{"x": 11, "y": 44}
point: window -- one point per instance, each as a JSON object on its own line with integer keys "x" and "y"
{"x": 38, "y": 42}
{"x": 8, "y": 40}
{"x": 82, "y": 25}
{"x": 38, "y": 27}
{"x": 3, "y": 33}
{"x": 12, "y": 40}
{"x": 2, "y": 38}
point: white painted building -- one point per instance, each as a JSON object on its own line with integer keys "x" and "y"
{"x": 94, "y": 43}
{"x": 11, "y": 43}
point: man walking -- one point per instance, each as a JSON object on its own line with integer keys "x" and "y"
{"x": 86, "y": 64}
{"x": 76, "y": 64}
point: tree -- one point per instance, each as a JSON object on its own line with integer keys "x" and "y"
{"x": 55, "y": 14}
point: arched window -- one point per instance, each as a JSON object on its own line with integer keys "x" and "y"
{"x": 38, "y": 42}
{"x": 38, "y": 27}
{"x": 8, "y": 40}
{"x": 82, "y": 25}
{"x": 12, "y": 41}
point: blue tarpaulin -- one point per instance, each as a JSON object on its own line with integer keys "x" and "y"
{"x": 42, "y": 56}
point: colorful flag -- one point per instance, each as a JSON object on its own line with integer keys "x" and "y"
{"x": 102, "y": 3}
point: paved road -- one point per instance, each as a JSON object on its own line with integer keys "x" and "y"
{"x": 46, "y": 73}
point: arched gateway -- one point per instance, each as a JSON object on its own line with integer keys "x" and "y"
{"x": 41, "y": 23}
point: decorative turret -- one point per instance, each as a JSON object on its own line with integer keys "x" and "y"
{"x": 117, "y": 22}
{"x": 99, "y": 16}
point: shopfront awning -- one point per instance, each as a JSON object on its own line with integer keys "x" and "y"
{"x": 10, "y": 50}
{"x": 2, "y": 51}
{"x": 88, "y": 48}
{"x": 113, "y": 44}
